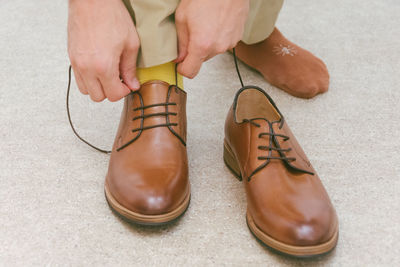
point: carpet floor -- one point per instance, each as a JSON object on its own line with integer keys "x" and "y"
{"x": 52, "y": 205}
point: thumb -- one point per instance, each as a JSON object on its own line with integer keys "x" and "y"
{"x": 183, "y": 40}
{"x": 192, "y": 62}
{"x": 127, "y": 67}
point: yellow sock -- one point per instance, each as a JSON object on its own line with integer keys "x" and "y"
{"x": 164, "y": 72}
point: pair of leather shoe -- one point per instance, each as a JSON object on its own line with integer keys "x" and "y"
{"x": 147, "y": 180}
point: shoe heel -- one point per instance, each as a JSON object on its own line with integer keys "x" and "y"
{"x": 231, "y": 162}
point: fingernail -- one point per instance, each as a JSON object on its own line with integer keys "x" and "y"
{"x": 135, "y": 83}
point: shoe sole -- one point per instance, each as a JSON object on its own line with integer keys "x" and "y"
{"x": 144, "y": 219}
{"x": 296, "y": 251}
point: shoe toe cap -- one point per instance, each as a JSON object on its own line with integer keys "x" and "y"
{"x": 307, "y": 230}
{"x": 157, "y": 194}
{"x": 311, "y": 234}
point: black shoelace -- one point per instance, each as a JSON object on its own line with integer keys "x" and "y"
{"x": 274, "y": 144}
{"x": 142, "y": 116}
{"x": 154, "y": 114}
{"x": 70, "y": 120}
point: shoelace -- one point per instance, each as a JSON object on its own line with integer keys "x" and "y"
{"x": 154, "y": 114}
{"x": 271, "y": 147}
{"x": 142, "y": 116}
{"x": 70, "y": 120}
{"x": 273, "y": 136}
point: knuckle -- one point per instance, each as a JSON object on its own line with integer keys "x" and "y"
{"x": 189, "y": 74}
{"x": 115, "y": 91}
{"x": 114, "y": 98}
{"x": 80, "y": 64}
{"x": 100, "y": 66}
{"x": 184, "y": 71}
{"x": 97, "y": 98}
{"x": 204, "y": 45}
{"x": 82, "y": 90}
{"x": 134, "y": 46}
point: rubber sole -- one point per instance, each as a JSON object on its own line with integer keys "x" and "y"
{"x": 143, "y": 219}
{"x": 295, "y": 251}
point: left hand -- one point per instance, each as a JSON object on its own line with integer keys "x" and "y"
{"x": 207, "y": 28}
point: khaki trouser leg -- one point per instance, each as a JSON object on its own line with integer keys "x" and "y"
{"x": 155, "y": 24}
{"x": 261, "y": 20}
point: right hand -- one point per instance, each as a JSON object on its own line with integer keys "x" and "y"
{"x": 102, "y": 46}
{"x": 207, "y": 28}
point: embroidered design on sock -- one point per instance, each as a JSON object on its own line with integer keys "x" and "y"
{"x": 282, "y": 50}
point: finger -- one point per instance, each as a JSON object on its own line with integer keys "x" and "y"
{"x": 190, "y": 66}
{"x": 127, "y": 67}
{"x": 192, "y": 63}
{"x": 95, "y": 89}
{"x": 113, "y": 88}
{"x": 183, "y": 40}
{"x": 219, "y": 47}
{"x": 79, "y": 81}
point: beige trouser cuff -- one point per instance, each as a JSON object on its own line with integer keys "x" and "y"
{"x": 261, "y": 21}
{"x": 155, "y": 24}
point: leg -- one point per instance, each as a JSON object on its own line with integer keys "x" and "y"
{"x": 281, "y": 62}
{"x": 155, "y": 24}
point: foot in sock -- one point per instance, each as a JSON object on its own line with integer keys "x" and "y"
{"x": 164, "y": 72}
{"x": 286, "y": 65}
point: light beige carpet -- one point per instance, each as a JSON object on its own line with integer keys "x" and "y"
{"x": 52, "y": 207}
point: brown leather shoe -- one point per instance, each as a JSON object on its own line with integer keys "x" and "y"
{"x": 288, "y": 208}
{"x": 147, "y": 180}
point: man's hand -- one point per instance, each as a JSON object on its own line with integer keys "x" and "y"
{"x": 102, "y": 46}
{"x": 207, "y": 28}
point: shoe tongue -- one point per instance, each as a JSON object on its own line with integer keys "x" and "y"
{"x": 154, "y": 92}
